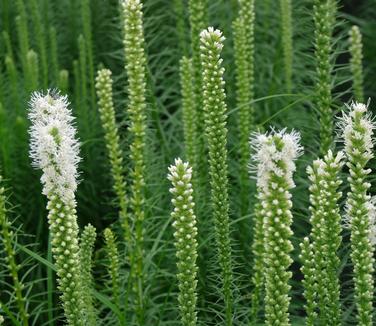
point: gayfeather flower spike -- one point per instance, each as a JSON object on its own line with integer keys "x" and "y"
{"x": 55, "y": 150}
{"x": 111, "y": 135}
{"x": 357, "y": 127}
{"x": 216, "y": 133}
{"x": 134, "y": 44}
{"x": 319, "y": 253}
{"x": 184, "y": 222}
{"x": 324, "y": 14}
{"x": 275, "y": 156}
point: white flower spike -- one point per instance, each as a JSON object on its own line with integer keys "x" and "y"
{"x": 54, "y": 147}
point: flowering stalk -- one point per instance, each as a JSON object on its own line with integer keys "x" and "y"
{"x": 197, "y": 20}
{"x": 114, "y": 265}
{"x": 86, "y": 252}
{"x": 258, "y": 253}
{"x": 356, "y": 51}
{"x": 243, "y": 48}
{"x": 325, "y": 237}
{"x": 189, "y": 116}
{"x": 134, "y": 44}
{"x": 111, "y": 134}
{"x": 357, "y": 132}
{"x": 287, "y": 40}
{"x": 216, "y": 133}
{"x": 324, "y": 18}
{"x": 6, "y": 236}
{"x": 55, "y": 150}
{"x": 180, "y": 175}
{"x": 274, "y": 155}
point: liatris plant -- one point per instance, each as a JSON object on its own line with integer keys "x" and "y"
{"x": 111, "y": 134}
{"x": 7, "y": 240}
{"x": 114, "y": 264}
{"x": 189, "y": 116}
{"x": 357, "y": 131}
{"x": 324, "y": 14}
{"x": 54, "y": 150}
{"x": 274, "y": 155}
{"x": 136, "y": 67}
{"x": 356, "y": 51}
{"x": 319, "y": 254}
{"x": 180, "y": 175}
{"x": 87, "y": 242}
{"x": 216, "y": 133}
{"x": 287, "y": 40}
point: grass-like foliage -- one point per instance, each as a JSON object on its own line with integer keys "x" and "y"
{"x": 269, "y": 218}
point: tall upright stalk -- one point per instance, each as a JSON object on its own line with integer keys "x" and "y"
{"x": 274, "y": 156}
{"x": 134, "y": 45}
{"x": 54, "y": 150}
{"x": 324, "y": 14}
{"x": 325, "y": 239}
{"x": 216, "y": 134}
{"x": 357, "y": 127}
{"x": 184, "y": 223}
{"x": 111, "y": 135}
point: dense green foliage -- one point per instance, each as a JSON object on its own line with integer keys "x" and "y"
{"x": 145, "y": 89}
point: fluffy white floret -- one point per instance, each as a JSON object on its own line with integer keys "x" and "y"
{"x": 212, "y": 36}
{"x": 357, "y": 123}
{"x": 270, "y": 159}
{"x": 53, "y": 146}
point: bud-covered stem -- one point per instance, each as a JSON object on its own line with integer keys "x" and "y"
{"x": 274, "y": 155}
{"x": 54, "y": 150}
{"x": 184, "y": 222}
{"x": 357, "y": 132}
{"x": 134, "y": 44}
{"x": 216, "y": 133}
{"x": 111, "y": 135}
{"x": 324, "y": 13}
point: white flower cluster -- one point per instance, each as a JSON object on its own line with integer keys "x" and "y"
{"x": 212, "y": 36}
{"x": 53, "y": 146}
{"x": 174, "y": 176}
{"x": 276, "y": 153}
{"x": 357, "y": 124}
